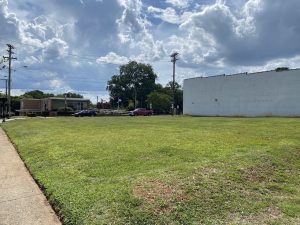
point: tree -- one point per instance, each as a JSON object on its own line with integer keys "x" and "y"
{"x": 37, "y": 94}
{"x": 161, "y": 102}
{"x": 279, "y": 69}
{"x": 178, "y": 94}
{"x": 70, "y": 95}
{"x": 134, "y": 83}
{"x": 15, "y": 103}
{"x": 162, "y": 98}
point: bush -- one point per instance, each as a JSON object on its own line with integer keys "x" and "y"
{"x": 281, "y": 69}
{"x": 130, "y": 105}
{"x": 31, "y": 114}
{"x": 65, "y": 113}
{"x": 67, "y": 109}
{"x": 45, "y": 113}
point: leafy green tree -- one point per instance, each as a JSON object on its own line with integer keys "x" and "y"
{"x": 161, "y": 102}
{"x": 33, "y": 94}
{"x": 178, "y": 94}
{"x": 162, "y": 98}
{"x": 15, "y": 103}
{"x": 134, "y": 83}
{"x": 37, "y": 94}
{"x": 70, "y": 95}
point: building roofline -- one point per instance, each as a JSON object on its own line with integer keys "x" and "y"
{"x": 29, "y": 110}
{"x": 244, "y": 73}
{"x": 57, "y": 98}
{"x": 34, "y": 99}
{"x": 61, "y": 98}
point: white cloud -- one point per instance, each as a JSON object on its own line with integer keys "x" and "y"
{"x": 133, "y": 30}
{"x": 113, "y": 58}
{"x": 8, "y": 22}
{"x": 130, "y": 23}
{"x": 211, "y": 36}
{"x": 168, "y": 15}
{"x": 55, "y": 49}
{"x": 217, "y": 37}
{"x": 292, "y": 63}
{"x": 30, "y": 60}
{"x": 179, "y": 3}
{"x": 56, "y": 84}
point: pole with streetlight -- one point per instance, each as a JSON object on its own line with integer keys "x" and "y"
{"x": 9, "y": 58}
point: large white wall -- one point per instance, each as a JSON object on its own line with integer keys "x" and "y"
{"x": 258, "y": 94}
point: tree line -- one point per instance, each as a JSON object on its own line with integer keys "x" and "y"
{"x": 135, "y": 87}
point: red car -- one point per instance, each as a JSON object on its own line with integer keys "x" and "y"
{"x": 141, "y": 112}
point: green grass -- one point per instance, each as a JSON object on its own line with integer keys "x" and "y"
{"x": 164, "y": 170}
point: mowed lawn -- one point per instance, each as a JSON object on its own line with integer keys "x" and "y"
{"x": 164, "y": 170}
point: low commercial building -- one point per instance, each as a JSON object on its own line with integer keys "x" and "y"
{"x": 51, "y": 105}
{"x": 270, "y": 93}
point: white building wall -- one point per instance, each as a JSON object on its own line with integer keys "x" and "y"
{"x": 258, "y": 94}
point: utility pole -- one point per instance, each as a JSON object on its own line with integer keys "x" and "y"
{"x": 173, "y": 60}
{"x": 9, "y": 58}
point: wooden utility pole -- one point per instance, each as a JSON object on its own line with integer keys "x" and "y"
{"x": 173, "y": 60}
{"x": 9, "y": 58}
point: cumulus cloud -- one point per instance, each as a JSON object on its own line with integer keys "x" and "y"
{"x": 55, "y": 49}
{"x": 179, "y": 3}
{"x": 211, "y": 36}
{"x": 113, "y": 58}
{"x": 8, "y": 22}
{"x": 56, "y": 84}
{"x": 168, "y": 15}
{"x": 32, "y": 60}
{"x": 263, "y": 30}
{"x": 133, "y": 30}
{"x": 130, "y": 24}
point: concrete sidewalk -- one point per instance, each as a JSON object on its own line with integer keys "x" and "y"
{"x": 21, "y": 200}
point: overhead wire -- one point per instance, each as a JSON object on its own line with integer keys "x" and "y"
{"x": 68, "y": 55}
{"x": 82, "y": 56}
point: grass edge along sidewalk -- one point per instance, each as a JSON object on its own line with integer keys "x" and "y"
{"x": 21, "y": 200}
{"x": 164, "y": 170}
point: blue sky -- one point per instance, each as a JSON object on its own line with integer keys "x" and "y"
{"x": 77, "y": 45}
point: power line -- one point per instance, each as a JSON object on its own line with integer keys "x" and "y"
{"x": 88, "y": 57}
{"x": 85, "y": 57}
{"x": 72, "y": 80}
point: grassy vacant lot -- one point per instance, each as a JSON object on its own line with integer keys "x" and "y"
{"x": 164, "y": 170}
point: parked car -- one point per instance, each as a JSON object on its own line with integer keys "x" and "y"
{"x": 85, "y": 113}
{"x": 141, "y": 112}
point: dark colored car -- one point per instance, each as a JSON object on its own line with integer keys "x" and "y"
{"x": 141, "y": 112}
{"x": 85, "y": 113}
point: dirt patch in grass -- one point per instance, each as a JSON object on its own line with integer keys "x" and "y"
{"x": 267, "y": 216}
{"x": 259, "y": 173}
{"x": 209, "y": 171}
{"x": 162, "y": 196}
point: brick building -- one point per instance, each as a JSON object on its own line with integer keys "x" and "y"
{"x": 52, "y": 105}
